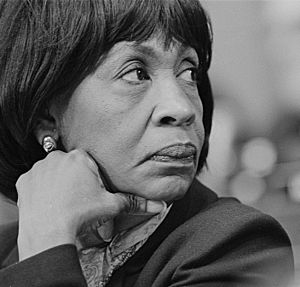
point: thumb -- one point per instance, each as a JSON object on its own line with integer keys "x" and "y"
{"x": 139, "y": 205}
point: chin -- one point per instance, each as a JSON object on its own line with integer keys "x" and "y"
{"x": 167, "y": 189}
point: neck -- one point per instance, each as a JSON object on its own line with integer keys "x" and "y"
{"x": 126, "y": 221}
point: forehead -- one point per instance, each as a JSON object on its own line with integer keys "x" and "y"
{"x": 153, "y": 48}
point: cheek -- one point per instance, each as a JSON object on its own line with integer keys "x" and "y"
{"x": 87, "y": 118}
{"x": 110, "y": 137}
{"x": 82, "y": 123}
{"x": 197, "y": 103}
{"x": 199, "y": 126}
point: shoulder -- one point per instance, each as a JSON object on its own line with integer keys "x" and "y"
{"x": 223, "y": 240}
{"x": 225, "y": 213}
{"x": 227, "y": 220}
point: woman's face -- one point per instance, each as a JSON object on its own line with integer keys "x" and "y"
{"x": 140, "y": 116}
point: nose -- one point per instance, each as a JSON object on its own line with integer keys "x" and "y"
{"x": 173, "y": 106}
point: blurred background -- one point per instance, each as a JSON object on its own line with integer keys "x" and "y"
{"x": 255, "y": 75}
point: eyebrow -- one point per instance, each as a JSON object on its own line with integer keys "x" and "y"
{"x": 150, "y": 51}
{"x": 145, "y": 50}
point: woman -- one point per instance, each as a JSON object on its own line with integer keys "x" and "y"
{"x": 106, "y": 113}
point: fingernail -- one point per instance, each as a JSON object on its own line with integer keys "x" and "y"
{"x": 155, "y": 206}
{"x": 106, "y": 232}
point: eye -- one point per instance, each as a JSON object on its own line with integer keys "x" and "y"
{"x": 136, "y": 75}
{"x": 189, "y": 75}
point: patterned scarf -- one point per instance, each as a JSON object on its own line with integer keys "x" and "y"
{"x": 99, "y": 263}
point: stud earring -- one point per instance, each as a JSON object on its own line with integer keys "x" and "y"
{"x": 49, "y": 144}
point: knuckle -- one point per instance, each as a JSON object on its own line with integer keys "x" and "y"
{"x": 82, "y": 157}
{"x": 118, "y": 203}
{"x": 135, "y": 203}
{"x": 37, "y": 164}
{"x": 21, "y": 183}
{"x": 72, "y": 154}
{"x": 76, "y": 155}
{"x": 78, "y": 152}
{"x": 52, "y": 155}
{"x": 21, "y": 180}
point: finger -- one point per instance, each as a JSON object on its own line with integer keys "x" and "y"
{"x": 106, "y": 230}
{"x": 91, "y": 163}
{"x": 96, "y": 169}
{"x": 96, "y": 234}
{"x": 102, "y": 175}
{"x": 138, "y": 205}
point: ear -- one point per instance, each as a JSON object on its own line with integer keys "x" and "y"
{"x": 46, "y": 126}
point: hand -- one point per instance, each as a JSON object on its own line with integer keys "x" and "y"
{"x": 62, "y": 193}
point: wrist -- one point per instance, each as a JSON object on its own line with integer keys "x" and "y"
{"x": 31, "y": 242}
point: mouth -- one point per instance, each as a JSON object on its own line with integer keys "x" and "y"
{"x": 176, "y": 153}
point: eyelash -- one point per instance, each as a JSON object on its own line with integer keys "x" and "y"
{"x": 141, "y": 71}
{"x": 194, "y": 74}
{"x": 134, "y": 67}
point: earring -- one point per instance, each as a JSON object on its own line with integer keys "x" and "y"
{"x": 49, "y": 144}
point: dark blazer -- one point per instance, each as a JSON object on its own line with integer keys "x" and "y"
{"x": 203, "y": 241}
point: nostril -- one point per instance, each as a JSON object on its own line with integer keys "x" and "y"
{"x": 190, "y": 120}
{"x": 169, "y": 120}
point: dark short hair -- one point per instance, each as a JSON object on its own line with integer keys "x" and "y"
{"x": 47, "y": 47}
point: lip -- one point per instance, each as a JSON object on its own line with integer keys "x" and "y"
{"x": 184, "y": 153}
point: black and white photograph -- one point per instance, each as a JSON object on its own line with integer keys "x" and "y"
{"x": 150, "y": 143}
